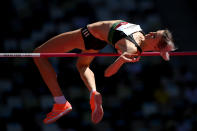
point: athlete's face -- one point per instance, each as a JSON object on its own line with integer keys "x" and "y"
{"x": 153, "y": 38}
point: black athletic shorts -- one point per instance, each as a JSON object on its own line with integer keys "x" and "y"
{"x": 90, "y": 41}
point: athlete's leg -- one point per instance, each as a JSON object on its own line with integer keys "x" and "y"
{"x": 58, "y": 44}
{"x": 86, "y": 74}
{"x": 61, "y": 43}
{"x": 88, "y": 78}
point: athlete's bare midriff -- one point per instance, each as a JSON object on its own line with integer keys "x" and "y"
{"x": 101, "y": 29}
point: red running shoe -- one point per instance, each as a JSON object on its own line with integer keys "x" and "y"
{"x": 58, "y": 111}
{"x": 96, "y": 107}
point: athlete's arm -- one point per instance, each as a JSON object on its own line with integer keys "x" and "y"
{"x": 86, "y": 74}
{"x": 113, "y": 68}
{"x": 127, "y": 56}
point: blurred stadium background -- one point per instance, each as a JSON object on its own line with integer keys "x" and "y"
{"x": 151, "y": 95}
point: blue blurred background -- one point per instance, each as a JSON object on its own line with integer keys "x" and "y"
{"x": 151, "y": 95}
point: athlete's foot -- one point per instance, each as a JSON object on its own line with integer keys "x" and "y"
{"x": 58, "y": 111}
{"x": 96, "y": 106}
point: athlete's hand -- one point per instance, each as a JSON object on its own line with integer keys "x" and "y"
{"x": 127, "y": 57}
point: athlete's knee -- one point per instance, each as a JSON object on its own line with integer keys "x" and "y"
{"x": 81, "y": 67}
{"x": 38, "y": 50}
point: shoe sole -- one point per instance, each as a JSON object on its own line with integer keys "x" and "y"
{"x": 58, "y": 116}
{"x": 97, "y": 115}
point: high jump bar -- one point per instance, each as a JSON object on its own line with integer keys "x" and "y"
{"x": 5, "y": 55}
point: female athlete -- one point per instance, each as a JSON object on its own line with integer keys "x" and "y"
{"x": 127, "y": 38}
